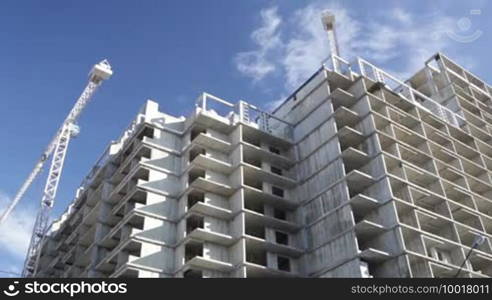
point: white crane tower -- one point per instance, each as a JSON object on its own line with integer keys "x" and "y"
{"x": 58, "y": 147}
{"x": 328, "y": 20}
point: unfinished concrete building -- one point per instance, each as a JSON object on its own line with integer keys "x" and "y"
{"x": 356, "y": 174}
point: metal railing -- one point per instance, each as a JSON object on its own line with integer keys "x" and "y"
{"x": 361, "y": 67}
{"x": 245, "y": 113}
{"x": 411, "y": 94}
{"x": 338, "y": 64}
{"x": 465, "y": 75}
{"x": 364, "y": 68}
{"x": 215, "y": 107}
{"x": 265, "y": 121}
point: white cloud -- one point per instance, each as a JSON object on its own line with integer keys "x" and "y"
{"x": 401, "y": 15}
{"x": 271, "y": 105}
{"x": 255, "y": 63}
{"x": 15, "y": 232}
{"x": 410, "y": 38}
{"x": 307, "y": 46}
{"x": 10, "y": 270}
{"x": 297, "y": 47}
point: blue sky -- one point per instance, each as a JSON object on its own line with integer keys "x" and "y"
{"x": 170, "y": 51}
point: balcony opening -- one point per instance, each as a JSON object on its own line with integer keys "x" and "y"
{"x": 440, "y": 255}
{"x": 194, "y": 174}
{"x": 195, "y": 197}
{"x": 255, "y": 230}
{"x": 283, "y": 263}
{"x": 136, "y": 222}
{"x": 195, "y": 152}
{"x": 193, "y": 222}
{"x": 353, "y": 193}
{"x": 252, "y": 161}
{"x": 256, "y": 256}
{"x": 279, "y": 214}
{"x": 256, "y": 206}
{"x": 142, "y": 174}
{"x": 129, "y": 274}
{"x": 281, "y": 238}
{"x": 253, "y": 182}
{"x": 277, "y": 191}
{"x": 196, "y": 131}
{"x": 193, "y": 274}
{"x": 276, "y": 170}
{"x": 139, "y": 197}
{"x": 148, "y": 132}
{"x": 135, "y": 250}
{"x": 251, "y": 140}
{"x": 128, "y": 151}
{"x": 347, "y": 166}
{"x": 274, "y": 150}
{"x": 146, "y": 152}
{"x": 193, "y": 249}
{"x": 357, "y": 216}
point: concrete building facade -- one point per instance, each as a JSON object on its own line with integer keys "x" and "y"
{"x": 356, "y": 174}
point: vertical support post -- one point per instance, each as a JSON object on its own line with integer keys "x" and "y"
{"x": 204, "y": 102}
{"x": 411, "y": 94}
{"x": 336, "y": 64}
{"x": 432, "y": 84}
{"x": 241, "y": 110}
{"x": 362, "y": 69}
{"x": 443, "y": 68}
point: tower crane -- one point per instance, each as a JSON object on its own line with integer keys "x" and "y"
{"x": 58, "y": 148}
{"x": 328, "y": 20}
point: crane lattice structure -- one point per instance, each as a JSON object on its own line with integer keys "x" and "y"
{"x": 58, "y": 148}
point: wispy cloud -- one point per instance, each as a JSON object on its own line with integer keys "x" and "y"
{"x": 399, "y": 41}
{"x": 256, "y": 64}
{"x": 15, "y": 232}
{"x": 271, "y": 105}
{"x": 10, "y": 270}
{"x": 307, "y": 45}
{"x": 408, "y": 38}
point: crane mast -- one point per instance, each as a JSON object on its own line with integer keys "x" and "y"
{"x": 328, "y": 20}
{"x": 58, "y": 147}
